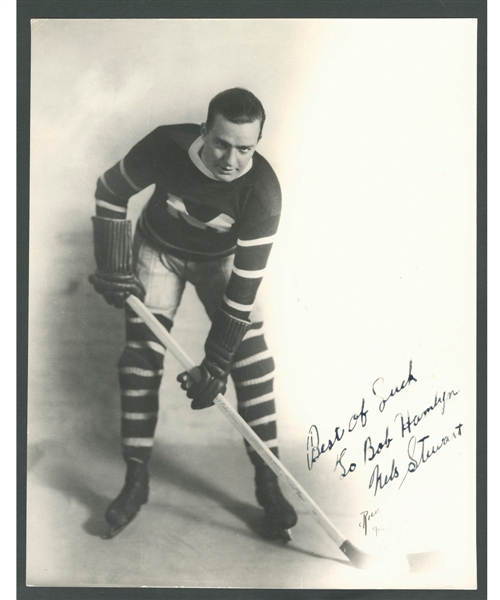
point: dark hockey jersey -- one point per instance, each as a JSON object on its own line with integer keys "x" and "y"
{"x": 194, "y": 216}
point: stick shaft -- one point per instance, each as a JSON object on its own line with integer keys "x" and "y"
{"x": 231, "y": 414}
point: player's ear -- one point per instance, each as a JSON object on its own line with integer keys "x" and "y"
{"x": 203, "y": 131}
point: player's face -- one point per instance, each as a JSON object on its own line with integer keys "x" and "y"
{"x": 229, "y": 147}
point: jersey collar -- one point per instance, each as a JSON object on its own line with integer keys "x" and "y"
{"x": 194, "y": 155}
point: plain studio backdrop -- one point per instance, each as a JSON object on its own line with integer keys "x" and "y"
{"x": 371, "y": 129}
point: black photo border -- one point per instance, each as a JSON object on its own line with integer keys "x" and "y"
{"x": 244, "y": 9}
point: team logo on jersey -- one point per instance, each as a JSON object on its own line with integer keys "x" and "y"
{"x": 176, "y": 207}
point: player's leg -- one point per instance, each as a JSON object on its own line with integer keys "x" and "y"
{"x": 140, "y": 371}
{"x": 253, "y": 375}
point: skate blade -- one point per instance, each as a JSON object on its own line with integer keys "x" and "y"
{"x": 278, "y": 535}
{"x": 285, "y": 536}
{"x": 112, "y": 532}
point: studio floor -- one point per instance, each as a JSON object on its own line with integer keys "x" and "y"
{"x": 201, "y": 526}
{"x": 199, "y": 529}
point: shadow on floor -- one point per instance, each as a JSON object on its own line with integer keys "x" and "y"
{"x": 66, "y": 473}
{"x": 58, "y": 470}
{"x": 175, "y": 473}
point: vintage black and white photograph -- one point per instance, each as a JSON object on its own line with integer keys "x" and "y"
{"x": 252, "y": 305}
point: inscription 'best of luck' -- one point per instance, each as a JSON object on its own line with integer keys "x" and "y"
{"x": 315, "y": 448}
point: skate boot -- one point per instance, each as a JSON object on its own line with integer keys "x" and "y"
{"x": 133, "y": 495}
{"x": 280, "y": 515}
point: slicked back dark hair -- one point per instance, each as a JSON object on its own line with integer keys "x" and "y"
{"x": 238, "y": 106}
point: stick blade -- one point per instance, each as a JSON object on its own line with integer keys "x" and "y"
{"x": 359, "y": 559}
{"x": 388, "y": 562}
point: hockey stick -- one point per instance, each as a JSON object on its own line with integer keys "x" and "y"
{"x": 359, "y": 558}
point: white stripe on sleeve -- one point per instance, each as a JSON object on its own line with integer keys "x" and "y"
{"x": 127, "y": 178}
{"x": 237, "y": 305}
{"x": 249, "y": 274}
{"x": 257, "y": 242}
{"x": 109, "y": 206}
{"x": 102, "y": 179}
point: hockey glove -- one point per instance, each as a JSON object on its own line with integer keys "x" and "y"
{"x": 222, "y": 342}
{"x": 114, "y": 277}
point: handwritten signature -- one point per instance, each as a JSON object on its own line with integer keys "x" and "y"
{"x": 420, "y": 456}
{"x": 408, "y": 422}
{"x": 419, "y": 449}
{"x": 315, "y": 449}
{"x": 379, "y": 480}
{"x": 394, "y": 391}
{"x": 314, "y": 446}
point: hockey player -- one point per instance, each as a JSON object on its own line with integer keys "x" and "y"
{"x": 210, "y": 221}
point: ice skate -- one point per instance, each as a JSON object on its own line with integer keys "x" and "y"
{"x": 280, "y": 515}
{"x": 133, "y": 495}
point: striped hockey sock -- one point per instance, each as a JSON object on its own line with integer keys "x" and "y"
{"x": 140, "y": 371}
{"x": 253, "y": 376}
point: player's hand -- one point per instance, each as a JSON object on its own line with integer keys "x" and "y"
{"x": 117, "y": 288}
{"x": 201, "y": 387}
